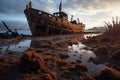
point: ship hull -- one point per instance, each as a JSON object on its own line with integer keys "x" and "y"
{"x": 43, "y": 24}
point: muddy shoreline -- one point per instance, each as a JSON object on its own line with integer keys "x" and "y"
{"x": 48, "y": 59}
{"x": 107, "y": 48}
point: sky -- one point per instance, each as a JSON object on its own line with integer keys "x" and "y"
{"x": 93, "y": 13}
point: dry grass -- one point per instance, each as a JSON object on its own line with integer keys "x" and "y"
{"x": 114, "y": 27}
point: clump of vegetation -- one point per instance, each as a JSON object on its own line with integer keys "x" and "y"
{"x": 113, "y": 28}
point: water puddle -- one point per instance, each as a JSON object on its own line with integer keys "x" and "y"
{"x": 91, "y": 35}
{"x": 19, "y": 47}
{"x": 77, "y": 51}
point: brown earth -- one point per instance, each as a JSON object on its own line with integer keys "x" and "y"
{"x": 106, "y": 48}
{"x": 45, "y": 60}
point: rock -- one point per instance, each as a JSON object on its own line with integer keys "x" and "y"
{"x": 73, "y": 63}
{"x": 72, "y": 67}
{"x": 78, "y": 61}
{"x": 105, "y": 39}
{"x": 62, "y": 63}
{"x": 87, "y": 48}
{"x": 31, "y": 62}
{"x": 64, "y": 55}
{"x": 43, "y": 70}
{"x": 54, "y": 75}
{"x": 62, "y": 45}
{"x": 86, "y": 77}
{"x": 46, "y": 77}
{"x": 31, "y": 49}
{"x": 66, "y": 74}
{"x": 29, "y": 78}
{"x": 4, "y": 59}
{"x": 35, "y": 44}
{"x": 12, "y": 52}
{"x": 91, "y": 40}
{"x": 70, "y": 43}
{"x": 94, "y": 60}
{"x": 114, "y": 48}
{"x": 116, "y": 55}
{"x": 25, "y": 75}
{"x": 102, "y": 51}
{"x": 81, "y": 67}
{"x": 76, "y": 51}
{"x": 109, "y": 74}
{"x": 63, "y": 68}
{"x": 40, "y": 50}
{"x": 48, "y": 44}
{"x": 74, "y": 55}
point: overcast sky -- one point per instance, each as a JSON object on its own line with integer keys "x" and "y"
{"x": 93, "y": 13}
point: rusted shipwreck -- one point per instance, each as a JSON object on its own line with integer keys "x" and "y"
{"x": 42, "y": 23}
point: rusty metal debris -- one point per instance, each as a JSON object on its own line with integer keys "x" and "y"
{"x": 9, "y": 33}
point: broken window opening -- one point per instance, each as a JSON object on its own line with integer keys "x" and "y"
{"x": 40, "y": 12}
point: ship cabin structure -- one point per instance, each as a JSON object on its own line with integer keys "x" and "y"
{"x": 42, "y": 23}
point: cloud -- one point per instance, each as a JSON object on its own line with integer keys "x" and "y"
{"x": 90, "y": 12}
{"x": 91, "y": 6}
{"x": 18, "y": 6}
{"x": 12, "y": 11}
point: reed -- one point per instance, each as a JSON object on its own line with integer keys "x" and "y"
{"x": 114, "y": 27}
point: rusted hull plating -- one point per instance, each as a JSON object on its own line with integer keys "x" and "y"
{"x": 42, "y": 24}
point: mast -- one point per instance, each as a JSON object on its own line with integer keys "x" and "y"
{"x": 71, "y": 17}
{"x": 30, "y": 5}
{"x": 78, "y": 20}
{"x": 60, "y": 6}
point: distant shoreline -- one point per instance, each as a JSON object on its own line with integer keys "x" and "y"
{"x": 14, "y": 28}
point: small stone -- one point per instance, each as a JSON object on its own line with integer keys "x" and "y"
{"x": 102, "y": 51}
{"x": 46, "y": 77}
{"x": 109, "y": 74}
{"x": 64, "y": 55}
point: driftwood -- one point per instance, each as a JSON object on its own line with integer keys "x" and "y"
{"x": 13, "y": 34}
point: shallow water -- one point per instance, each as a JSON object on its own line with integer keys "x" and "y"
{"x": 18, "y": 47}
{"x": 91, "y": 35}
{"x": 77, "y": 51}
